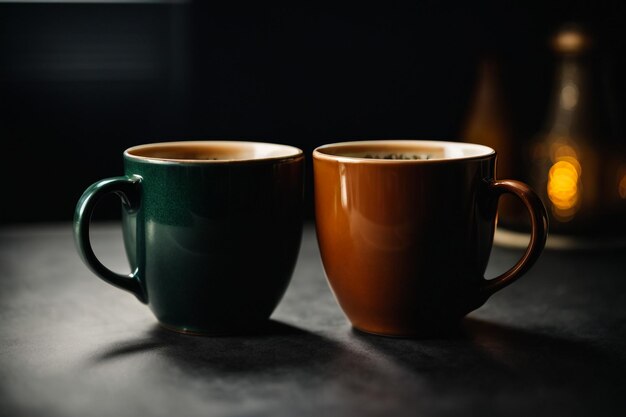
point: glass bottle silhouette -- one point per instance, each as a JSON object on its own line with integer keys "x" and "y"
{"x": 571, "y": 164}
{"x": 488, "y": 122}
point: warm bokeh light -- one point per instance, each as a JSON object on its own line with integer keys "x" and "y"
{"x": 571, "y": 40}
{"x": 569, "y": 96}
{"x": 564, "y": 183}
{"x": 561, "y": 151}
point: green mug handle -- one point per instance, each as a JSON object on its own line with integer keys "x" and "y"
{"x": 538, "y": 232}
{"x": 129, "y": 191}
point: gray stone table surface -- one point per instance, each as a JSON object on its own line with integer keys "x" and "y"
{"x": 553, "y": 343}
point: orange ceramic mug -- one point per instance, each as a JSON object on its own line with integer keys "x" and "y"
{"x": 405, "y": 229}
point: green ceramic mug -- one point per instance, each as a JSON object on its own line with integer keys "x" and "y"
{"x": 212, "y": 230}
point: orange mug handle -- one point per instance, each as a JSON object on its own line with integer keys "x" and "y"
{"x": 538, "y": 232}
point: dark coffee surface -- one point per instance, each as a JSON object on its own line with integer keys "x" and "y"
{"x": 552, "y": 344}
{"x": 189, "y": 156}
{"x": 398, "y": 155}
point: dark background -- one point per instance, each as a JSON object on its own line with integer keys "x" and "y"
{"x": 79, "y": 83}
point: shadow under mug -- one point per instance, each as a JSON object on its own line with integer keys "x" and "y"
{"x": 405, "y": 229}
{"x": 212, "y": 230}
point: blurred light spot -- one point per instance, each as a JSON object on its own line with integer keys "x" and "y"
{"x": 569, "y": 96}
{"x": 563, "y": 151}
{"x": 571, "y": 40}
{"x": 563, "y": 188}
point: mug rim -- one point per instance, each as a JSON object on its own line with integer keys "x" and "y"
{"x": 291, "y": 152}
{"x": 319, "y": 153}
